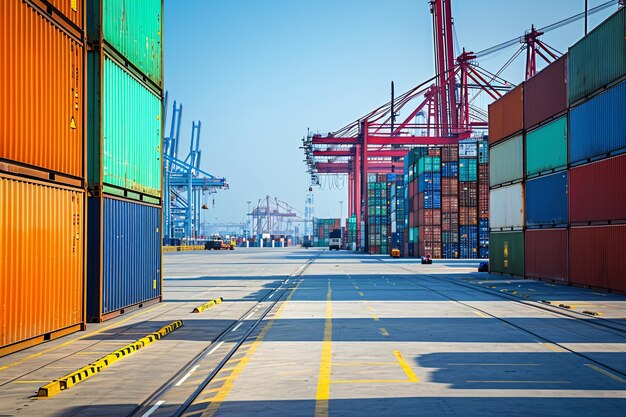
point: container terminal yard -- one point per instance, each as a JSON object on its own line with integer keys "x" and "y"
{"x": 477, "y": 267}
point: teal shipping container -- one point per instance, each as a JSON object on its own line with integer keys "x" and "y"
{"x": 598, "y": 59}
{"x": 125, "y": 135}
{"x": 507, "y": 161}
{"x": 546, "y": 148}
{"x": 468, "y": 169}
{"x": 133, "y": 28}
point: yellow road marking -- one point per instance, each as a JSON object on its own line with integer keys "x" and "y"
{"x": 361, "y": 294}
{"x": 552, "y": 347}
{"x": 29, "y": 382}
{"x": 369, "y": 308}
{"x": 478, "y": 313}
{"x": 224, "y": 390}
{"x": 375, "y": 317}
{"x": 43, "y": 352}
{"x": 384, "y": 331}
{"x": 323, "y": 379}
{"x": 607, "y": 373}
{"x": 405, "y": 367}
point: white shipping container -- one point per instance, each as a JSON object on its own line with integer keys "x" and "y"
{"x": 506, "y": 207}
{"x": 468, "y": 149}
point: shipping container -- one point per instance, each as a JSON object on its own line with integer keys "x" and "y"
{"x": 124, "y": 257}
{"x": 546, "y": 254}
{"x": 546, "y": 148}
{"x": 42, "y": 95}
{"x": 506, "y": 207}
{"x": 468, "y": 169}
{"x": 506, "y": 253}
{"x": 506, "y": 115}
{"x": 507, "y": 161}
{"x": 545, "y": 94}
{"x": 598, "y": 191}
{"x": 598, "y": 59}
{"x": 72, "y": 11}
{"x": 42, "y": 249}
{"x": 597, "y": 128}
{"x": 596, "y": 256}
{"x": 125, "y": 134}
{"x": 134, "y": 29}
{"x": 546, "y": 200}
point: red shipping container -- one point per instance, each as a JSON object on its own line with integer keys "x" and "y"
{"x": 468, "y": 194}
{"x": 429, "y": 217}
{"x": 596, "y": 256}
{"x": 545, "y": 252}
{"x": 506, "y": 115}
{"x": 450, "y": 153}
{"x": 434, "y": 151}
{"x": 449, "y": 186}
{"x": 597, "y": 191}
{"x": 468, "y": 216}
{"x": 449, "y": 203}
{"x": 545, "y": 94}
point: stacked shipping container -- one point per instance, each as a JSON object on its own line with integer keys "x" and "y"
{"x": 322, "y": 229}
{"x": 124, "y": 155}
{"x": 571, "y": 199}
{"x": 42, "y": 173}
{"x": 378, "y": 228}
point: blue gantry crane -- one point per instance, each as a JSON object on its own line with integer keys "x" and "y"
{"x": 184, "y": 182}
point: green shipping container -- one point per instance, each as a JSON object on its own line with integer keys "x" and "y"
{"x": 546, "y": 148}
{"x": 506, "y": 161}
{"x": 506, "y": 252}
{"x": 428, "y": 164}
{"x": 134, "y": 28}
{"x": 468, "y": 169}
{"x": 599, "y": 58}
{"x": 124, "y": 130}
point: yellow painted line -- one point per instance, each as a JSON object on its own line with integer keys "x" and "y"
{"x": 375, "y": 317}
{"x": 224, "y": 390}
{"x": 361, "y": 294}
{"x": 554, "y": 348}
{"x": 323, "y": 379}
{"x": 73, "y": 378}
{"x": 364, "y": 363}
{"x": 207, "y": 305}
{"x": 104, "y": 329}
{"x": 28, "y": 382}
{"x": 478, "y": 313}
{"x": 384, "y": 331}
{"x": 371, "y": 381}
{"x": 607, "y": 373}
{"x": 369, "y": 308}
{"x": 405, "y": 367}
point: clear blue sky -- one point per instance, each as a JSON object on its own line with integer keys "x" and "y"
{"x": 258, "y": 73}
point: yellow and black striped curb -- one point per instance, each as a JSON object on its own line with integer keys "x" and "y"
{"x": 73, "y": 378}
{"x": 206, "y": 305}
{"x": 182, "y": 248}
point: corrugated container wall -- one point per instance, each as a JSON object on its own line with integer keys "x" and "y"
{"x": 73, "y": 10}
{"x": 42, "y": 116}
{"x": 506, "y": 253}
{"x": 598, "y": 191}
{"x": 546, "y": 201}
{"x": 125, "y": 237}
{"x": 599, "y": 58}
{"x": 506, "y": 115}
{"x": 130, "y": 128}
{"x": 545, "y": 94}
{"x": 546, "y": 148}
{"x": 597, "y": 127}
{"x": 545, "y": 254}
{"x": 506, "y": 207}
{"x": 507, "y": 161}
{"x": 133, "y": 28}
{"x": 606, "y": 246}
{"x": 42, "y": 254}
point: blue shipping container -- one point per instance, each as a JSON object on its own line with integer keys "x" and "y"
{"x": 124, "y": 263}
{"x": 546, "y": 200}
{"x": 450, "y": 250}
{"x": 483, "y": 252}
{"x": 469, "y": 242}
{"x": 449, "y": 169}
{"x": 429, "y": 181}
{"x": 597, "y": 127}
{"x": 432, "y": 199}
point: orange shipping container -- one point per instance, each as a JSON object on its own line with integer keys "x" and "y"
{"x": 506, "y": 115}
{"x": 72, "y": 10}
{"x": 41, "y": 262}
{"x": 42, "y": 92}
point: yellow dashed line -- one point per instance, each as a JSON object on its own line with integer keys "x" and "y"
{"x": 361, "y": 294}
{"x": 478, "y": 313}
{"x": 405, "y": 367}
{"x": 384, "y": 331}
{"x": 323, "y": 380}
{"x": 607, "y": 373}
{"x": 552, "y": 347}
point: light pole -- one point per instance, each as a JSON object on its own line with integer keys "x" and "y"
{"x": 340, "y": 211}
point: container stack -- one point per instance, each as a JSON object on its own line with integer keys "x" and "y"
{"x": 429, "y": 204}
{"x": 125, "y": 80}
{"x": 322, "y": 229}
{"x": 571, "y": 201}
{"x": 378, "y": 211}
{"x": 351, "y": 232}
{"x": 597, "y": 137}
{"x": 42, "y": 172}
{"x": 398, "y": 213}
{"x": 450, "y": 201}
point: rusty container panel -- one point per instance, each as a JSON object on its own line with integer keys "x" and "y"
{"x": 546, "y": 254}
{"x": 42, "y": 92}
{"x": 545, "y": 94}
{"x": 41, "y": 259}
{"x": 596, "y": 256}
{"x": 73, "y": 10}
{"x": 506, "y": 115}
{"x": 598, "y": 191}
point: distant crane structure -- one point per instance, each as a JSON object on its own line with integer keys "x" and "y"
{"x": 275, "y": 217}
{"x": 377, "y": 143}
{"x": 185, "y": 184}
{"x": 309, "y": 213}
